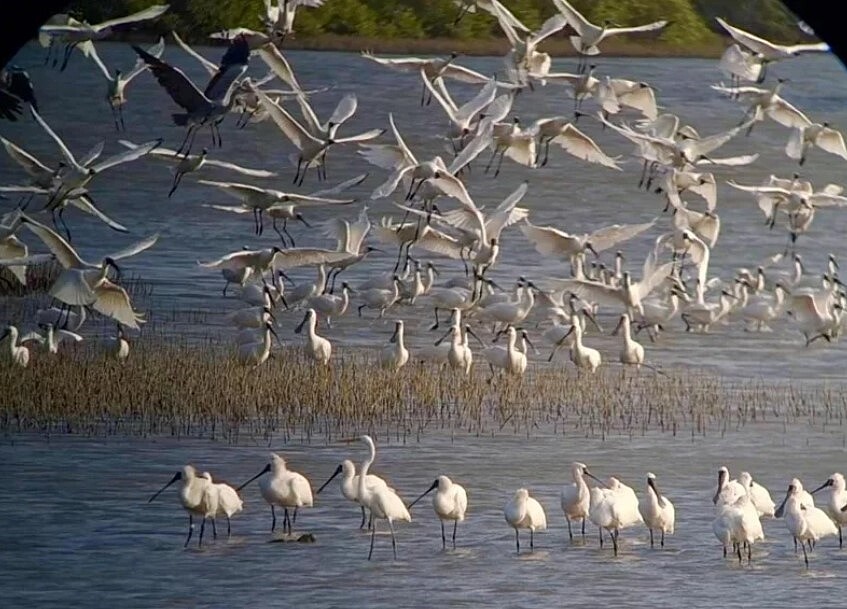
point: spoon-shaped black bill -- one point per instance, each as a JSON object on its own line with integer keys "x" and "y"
{"x": 265, "y": 470}
{"x": 331, "y": 478}
{"x": 424, "y": 494}
{"x": 177, "y": 476}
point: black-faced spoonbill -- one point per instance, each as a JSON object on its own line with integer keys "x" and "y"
{"x": 450, "y": 502}
{"x": 283, "y": 488}
{"x": 657, "y": 510}
{"x": 524, "y": 512}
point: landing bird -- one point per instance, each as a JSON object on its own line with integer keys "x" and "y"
{"x": 75, "y": 33}
{"x": 118, "y": 82}
{"x": 589, "y": 36}
{"x": 201, "y": 108}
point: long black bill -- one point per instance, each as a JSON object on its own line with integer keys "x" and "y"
{"x": 265, "y": 470}
{"x": 781, "y": 509}
{"x": 331, "y": 478}
{"x": 177, "y": 476}
{"x": 434, "y": 485}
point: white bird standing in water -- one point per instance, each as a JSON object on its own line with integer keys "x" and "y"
{"x": 806, "y": 523}
{"x": 836, "y": 499}
{"x": 283, "y": 488}
{"x": 383, "y": 502}
{"x": 192, "y": 495}
{"x": 120, "y": 346}
{"x": 221, "y": 499}
{"x": 524, "y": 512}
{"x": 576, "y": 496}
{"x": 632, "y": 353}
{"x": 317, "y": 347}
{"x": 395, "y": 354}
{"x": 450, "y": 503}
{"x": 729, "y": 491}
{"x": 614, "y": 508}
{"x": 759, "y": 495}
{"x": 656, "y": 510}
{"x": 350, "y": 484}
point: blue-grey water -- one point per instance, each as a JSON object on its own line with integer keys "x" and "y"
{"x": 77, "y": 530}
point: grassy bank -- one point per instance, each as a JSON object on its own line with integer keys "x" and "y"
{"x": 200, "y": 391}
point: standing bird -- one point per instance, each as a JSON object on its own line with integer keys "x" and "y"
{"x": 806, "y": 523}
{"x": 759, "y": 495}
{"x": 221, "y": 499}
{"x": 576, "y": 497}
{"x": 120, "y": 345}
{"x": 613, "y": 508}
{"x": 395, "y": 354}
{"x": 17, "y": 352}
{"x": 835, "y": 501}
{"x": 632, "y": 353}
{"x": 656, "y": 510}
{"x": 317, "y": 347}
{"x": 350, "y": 484}
{"x": 524, "y": 512}
{"x": 192, "y": 495}
{"x": 383, "y": 502}
{"x": 208, "y": 107}
{"x": 283, "y": 488}
{"x": 450, "y": 503}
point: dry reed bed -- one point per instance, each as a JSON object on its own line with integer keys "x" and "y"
{"x": 199, "y": 390}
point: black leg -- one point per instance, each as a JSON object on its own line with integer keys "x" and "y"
{"x": 214, "y": 529}
{"x": 615, "y": 541}
{"x": 373, "y": 534}
{"x": 570, "y": 532}
{"x": 228, "y": 528}
{"x": 651, "y": 537}
{"x": 663, "y": 539}
{"x": 455, "y": 525}
{"x": 518, "y": 541}
{"x": 443, "y": 538}
{"x": 583, "y": 527}
{"x": 393, "y": 541}
{"x": 362, "y": 526}
{"x": 190, "y": 530}
{"x": 273, "y": 522}
{"x": 531, "y": 539}
{"x": 202, "y": 528}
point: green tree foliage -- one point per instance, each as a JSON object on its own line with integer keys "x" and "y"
{"x": 692, "y": 20}
{"x": 686, "y": 24}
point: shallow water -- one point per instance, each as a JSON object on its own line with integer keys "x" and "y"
{"x": 77, "y": 526}
{"x": 572, "y": 195}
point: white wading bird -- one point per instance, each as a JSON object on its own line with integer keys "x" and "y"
{"x": 382, "y": 501}
{"x": 75, "y": 33}
{"x": 524, "y": 63}
{"x": 52, "y": 337}
{"x": 18, "y": 352}
{"x": 258, "y": 200}
{"x": 73, "y": 177}
{"x": 283, "y": 488}
{"x": 312, "y": 149}
{"x": 802, "y": 139}
{"x": 221, "y": 499}
{"x": 207, "y": 107}
{"x": 836, "y": 499}
{"x": 192, "y": 496}
{"x": 629, "y": 293}
{"x": 194, "y": 162}
{"x": 806, "y": 523}
{"x": 524, "y": 512}
{"x": 83, "y": 283}
{"x": 656, "y": 510}
{"x": 432, "y": 69}
{"x": 450, "y": 502}
{"x": 589, "y": 36}
{"x": 350, "y": 484}
{"x": 768, "y": 52}
{"x": 118, "y": 82}
{"x": 576, "y": 496}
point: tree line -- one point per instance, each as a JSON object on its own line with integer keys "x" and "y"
{"x": 692, "y": 20}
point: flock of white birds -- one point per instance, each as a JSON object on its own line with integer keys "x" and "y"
{"x": 440, "y": 217}
{"x": 740, "y": 505}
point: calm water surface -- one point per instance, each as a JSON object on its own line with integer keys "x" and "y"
{"x": 77, "y": 529}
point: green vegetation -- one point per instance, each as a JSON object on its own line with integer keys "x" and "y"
{"x": 692, "y": 29}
